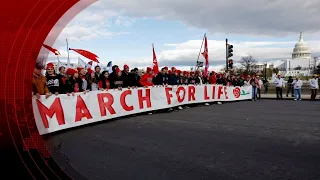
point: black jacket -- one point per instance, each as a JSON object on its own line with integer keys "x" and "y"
{"x": 161, "y": 79}
{"x": 116, "y": 82}
{"x": 126, "y": 79}
{"x": 71, "y": 84}
{"x": 174, "y": 80}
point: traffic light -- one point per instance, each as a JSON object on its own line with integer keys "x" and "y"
{"x": 230, "y": 50}
{"x": 230, "y": 64}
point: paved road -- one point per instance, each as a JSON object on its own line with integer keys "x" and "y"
{"x": 265, "y": 139}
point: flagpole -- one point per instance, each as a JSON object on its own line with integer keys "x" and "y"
{"x": 200, "y": 51}
{"x": 68, "y": 60}
{"x": 58, "y": 64}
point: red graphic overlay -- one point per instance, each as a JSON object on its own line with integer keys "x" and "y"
{"x": 236, "y": 92}
{"x": 24, "y": 29}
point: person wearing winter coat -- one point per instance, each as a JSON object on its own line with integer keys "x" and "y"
{"x": 314, "y": 86}
{"x": 297, "y": 84}
{"x": 147, "y": 79}
{"x": 174, "y": 78}
{"x": 290, "y": 86}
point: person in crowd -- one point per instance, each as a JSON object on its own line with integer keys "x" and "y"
{"x": 314, "y": 86}
{"x": 254, "y": 83}
{"x": 82, "y": 75}
{"x": 135, "y": 78}
{"x": 266, "y": 85}
{"x": 39, "y": 81}
{"x": 235, "y": 81}
{"x": 117, "y": 81}
{"x": 279, "y": 84}
{"x": 95, "y": 78}
{"x": 104, "y": 84}
{"x": 193, "y": 79}
{"x": 241, "y": 80}
{"x": 198, "y": 75}
{"x": 229, "y": 81}
{"x": 126, "y": 77}
{"x": 63, "y": 78}
{"x": 53, "y": 79}
{"x": 185, "y": 78}
{"x": 259, "y": 87}
{"x": 213, "y": 78}
{"x": 162, "y": 77}
{"x": 174, "y": 78}
{"x": 74, "y": 83}
{"x": 297, "y": 84}
{"x": 290, "y": 86}
{"x": 89, "y": 78}
{"x": 146, "y": 80}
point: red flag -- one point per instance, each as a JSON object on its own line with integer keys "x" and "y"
{"x": 55, "y": 51}
{"x": 86, "y": 54}
{"x": 206, "y": 56}
{"x": 155, "y": 62}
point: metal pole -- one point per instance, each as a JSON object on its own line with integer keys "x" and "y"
{"x": 68, "y": 60}
{"x": 227, "y": 54}
{"x": 200, "y": 51}
{"x": 58, "y": 64}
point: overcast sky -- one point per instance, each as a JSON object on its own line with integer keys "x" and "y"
{"x": 123, "y": 31}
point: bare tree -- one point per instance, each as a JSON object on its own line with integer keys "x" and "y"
{"x": 247, "y": 63}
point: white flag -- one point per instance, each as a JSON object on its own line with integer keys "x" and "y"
{"x": 81, "y": 63}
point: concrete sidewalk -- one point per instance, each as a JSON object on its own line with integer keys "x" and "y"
{"x": 274, "y": 96}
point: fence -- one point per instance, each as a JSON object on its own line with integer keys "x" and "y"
{"x": 305, "y": 89}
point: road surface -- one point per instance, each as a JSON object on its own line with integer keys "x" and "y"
{"x": 266, "y": 139}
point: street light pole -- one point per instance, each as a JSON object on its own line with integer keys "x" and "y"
{"x": 227, "y": 54}
{"x": 265, "y": 71}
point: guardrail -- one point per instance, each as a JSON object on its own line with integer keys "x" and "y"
{"x": 305, "y": 89}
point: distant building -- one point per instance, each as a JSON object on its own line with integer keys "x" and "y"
{"x": 301, "y": 63}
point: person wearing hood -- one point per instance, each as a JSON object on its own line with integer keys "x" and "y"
{"x": 290, "y": 86}
{"x": 73, "y": 83}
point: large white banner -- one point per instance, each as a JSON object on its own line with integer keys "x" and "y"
{"x": 62, "y": 112}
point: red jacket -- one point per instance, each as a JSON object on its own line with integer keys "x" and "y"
{"x": 213, "y": 79}
{"x": 146, "y": 80}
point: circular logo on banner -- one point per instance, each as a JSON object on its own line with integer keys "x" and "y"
{"x": 236, "y": 92}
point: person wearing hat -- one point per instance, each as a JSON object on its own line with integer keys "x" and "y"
{"x": 314, "y": 86}
{"x": 117, "y": 81}
{"x": 146, "y": 80}
{"x": 126, "y": 76}
{"x": 39, "y": 81}
{"x": 73, "y": 83}
{"x": 279, "y": 84}
{"x": 297, "y": 84}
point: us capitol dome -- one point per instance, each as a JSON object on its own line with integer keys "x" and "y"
{"x": 301, "y": 49}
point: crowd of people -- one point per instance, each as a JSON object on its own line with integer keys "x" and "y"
{"x": 69, "y": 81}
